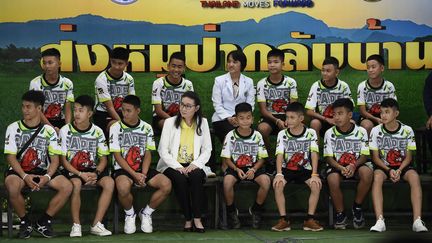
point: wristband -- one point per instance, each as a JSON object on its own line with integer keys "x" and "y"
{"x": 25, "y": 175}
{"x": 279, "y": 174}
{"x": 79, "y": 174}
{"x": 315, "y": 174}
{"x": 49, "y": 177}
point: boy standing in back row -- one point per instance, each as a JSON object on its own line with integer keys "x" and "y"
{"x": 111, "y": 86}
{"x": 58, "y": 91}
{"x": 323, "y": 93}
{"x": 274, "y": 93}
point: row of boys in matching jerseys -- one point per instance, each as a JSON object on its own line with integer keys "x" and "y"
{"x": 272, "y": 93}
{"x": 348, "y": 152}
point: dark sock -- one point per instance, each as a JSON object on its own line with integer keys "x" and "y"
{"x": 25, "y": 218}
{"x": 310, "y": 216}
{"x": 257, "y": 207}
{"x": 285, "y": 217}
{"x": 356, "y": 206}
{"x": 231, "y": 208}
{"x": 44, "y": 219}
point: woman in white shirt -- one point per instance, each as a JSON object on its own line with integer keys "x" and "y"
{"x": 229, "y": 90}
{"x": 184, "y": 149}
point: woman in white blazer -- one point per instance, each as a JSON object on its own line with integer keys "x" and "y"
{"x": 184, "y": 149}
{"x": 229, "y": 90}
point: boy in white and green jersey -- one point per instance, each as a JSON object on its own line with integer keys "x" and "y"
{"x": 244, "y": 152}
{"x": 111, "y": 86}
{"x": 346, "y": 151}
{"x": 167, "y": 91}
{"x": 131, "y": 142}
{"x": 323, "y": 93}
{"x": 372, "y": 91}
{"x": 297, "y": 160}
{"x": 392, "y": 144}
{"x": 58, "y": 91}
{"x": 84, "y": 158}
{"x": 32, "y": 153}
{"x": 274, "y": 93}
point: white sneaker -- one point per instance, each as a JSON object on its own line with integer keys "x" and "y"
{"x": 146, "y": 223}
{"x": 75, "y": 231}
{"x": 99, "y": 229}
{"x": 129, "y": 226}
{"x": 419, "y": 226}
{"x": 208, "y": 172}
{"x": 379, "y": 225}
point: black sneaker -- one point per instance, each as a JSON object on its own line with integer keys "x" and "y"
{"x": 44, "y": 229}
{"x": 256, "y": 218}
{"x": 25, "y": 230}
{"x": 358, "y": 219}
{"x": 235, "y": 221}
{"x": 341, "y": 221}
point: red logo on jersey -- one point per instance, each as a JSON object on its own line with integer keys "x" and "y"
{"x": 347, "y": 158}
{"x": 375, "y": 110}
{"x": 30, "y": 160}
{"x": 279, "y": 105}
{"x": 81, "y": 160}
{"x": 394, "y": 157}
{"x": 244, "y": 161}
{"x": 53, "y": 111}
{"x": 173, "y": 109}
{"x": 118, "y": 101}
{"x": 328, "y": 112}
{"x": 296, "y": 161}
{"x": 133, "y": 157}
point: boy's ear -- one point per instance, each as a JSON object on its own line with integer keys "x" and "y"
{"x": 397, "y": 113}
{"x": 337, "y": 71}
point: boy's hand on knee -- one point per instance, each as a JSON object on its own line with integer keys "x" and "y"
{"x": 316, "y": 180}
{"x": 29, "y": 180}
{"x": 279, "y": 179}
{"x": 250, "y": 174}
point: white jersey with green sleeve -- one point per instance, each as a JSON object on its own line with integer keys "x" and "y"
{"x": 346, "y": 147}
{"x": 276, "y": 96}
{"x": 37, "y": 154}
{"x": 168, "y": 94}
{"x": 109, "y": 88}
{"x": 244, "y": 151}
{"x": 131, "y": 142}
{"x": 297, "y": 149}
{"x": 322, "y": 96}
{"x": 372, "y": 97}
{"x": 83, "y": 148}
{"x": 56, "y": 95}
{"x": 392, "y": 145}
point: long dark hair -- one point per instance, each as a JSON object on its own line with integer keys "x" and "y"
{"x": 198, "y": 114}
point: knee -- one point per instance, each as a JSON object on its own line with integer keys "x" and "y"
{"x": 166, "y": 186}
{"x": 108, "y": 184}
{"x": 263, "y": 129}
{"x": 123, "y": 190}
{"x": 66, "y": 187}
{"x": 314, "y": 188}
{"x": 76, "y": 185}
{"x": 278, "y": 188}
{"x": 228, "y": 183}
{"x": 264, "y": 182}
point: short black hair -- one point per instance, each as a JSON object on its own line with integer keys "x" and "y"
{"x": 51, "y": 52}
{"x": 238, "y": 55}
{"x": 331, "y": 60}
{"x": 344, "y": 102}
{"x": 132, "y": 100}
{"x": 85, "y": 100}
{"x": 34, "y": 96}
{"x": 377, "y": 58}
{"x": 276, "y": 53}
{"x": 120, "y": 53}
{"x": 243, "y": 107}
{"x": 177, "y": 55}
{"x": 295, "y": 107}
{"x": 390, "y": 103}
